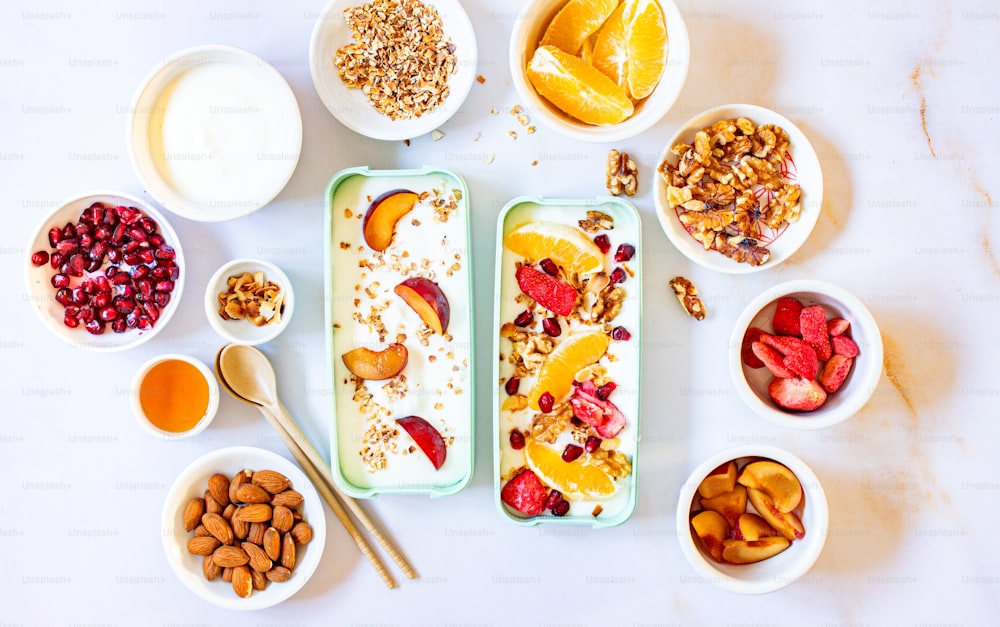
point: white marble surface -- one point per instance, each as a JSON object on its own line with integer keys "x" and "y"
{"x": 908, "y": 225}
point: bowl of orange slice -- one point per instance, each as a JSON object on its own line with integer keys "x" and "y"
{"x": 599, "y": 70}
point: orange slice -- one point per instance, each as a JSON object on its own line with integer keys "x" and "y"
{"x": 647, "y": 46}
{"x": 576, "y": 21}
{"x": 610, "y": 54}
{"x": 573, "y": 354}
{"x": 577, "y": 88}
{"x": 574, "y": 479}
{"x": 567, "y": 246}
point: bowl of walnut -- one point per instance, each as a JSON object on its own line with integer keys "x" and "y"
{"x": 249, "y": 301}
{"x": 739, "y": 190}
{"x": 243, "y": 528}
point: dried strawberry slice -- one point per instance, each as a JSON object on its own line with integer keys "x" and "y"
{"x": 525, "y": 493}
{"x": 799, "y": 356}
{"x": 603, "y": 415}
{"x": 786, "y": 316}
{"x": 547, "y": 291}
{"x": 746, "y": 350}
{"x": 812, "y": 322}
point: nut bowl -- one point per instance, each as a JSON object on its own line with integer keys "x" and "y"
{"x": 800, "y": 166}
{"x": 528, "y": 29}
{"x": 772, "y": 573}
{"x": 192, "y": 483}
{"x": 245, "y": 331}
{"x": 752, "y": 383}
{"x": 43, "y": 294}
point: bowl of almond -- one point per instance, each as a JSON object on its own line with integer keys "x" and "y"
{"x": 249, "y": 301}
{"x": 243, "y": 528}
{"x": 752, "y": 519}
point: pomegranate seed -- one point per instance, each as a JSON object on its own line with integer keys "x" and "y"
{"x": 118, "y": 235}
{"x": 76, "y": 264}
{"x": 64, "y": 296}
{"x": 148, "y": 225}
{"x": 101, "y": 301}
{"x": 145, "y": 287}
{"x": 625, "y": 252}
{"x": 545, "y": 402}
{"x": 107, "y": 313}
{"x": 79, "y": 296}
{"x": 512, "y": 385}
{"x": 576, "y": 422}
{"x": 132, "y": 319}
{"x": 618, "y": 276}
{"x": 60, "y": 280}
{"x": 147, "y": 256}
{"x": 516, "y": 440}
{"x": 130, "y": 246}
{"x": 103, "y": 285}
{"x": 97, "y": 213}
{"x": 118, "y": 325}
{"x": 102, "y": 233}
{"x": 152, "y": 312}
{"x": 121, "y": 278}
{"x": 161, "y": 299}
{"x": 551, "y": 327}
{"x": 123, "y": 305}
{"x": 175, "y": 271}
{"x": 160, "y": 273}
{"x": 603, "y": 243}
{"x": 555, "y": 497}
{"x": 144, "y": 323}
{"x": 621, "y": 334}
{"x": 164, "y": 286}
{"x": 156, "y": 240}
{"x": 89, "y": 286}
{"x": 141, "y": 272}
{"x": 571, "y": 453}
{"x": 68, "y": 230}
{"x": 592, "y": 444}
{"x": 55, "y": 236}
{"x": 114, "y": 255}
{"x": 132, "y": 259}
{"x": 40, "y": 258}
{"x": 111, "y": 218}
{"x": 524, "y": 318}
{"x": 166, "y": 252}
{"x": 67, "y": 246}
{"x": 549, "y": 267}
{"x": 128, "y": 215}
{"x": 137, "y": 234}
{"x": 561, "y": 509}
{"x": 70, "y": 321}
{"x": 605, "y": 390}
{"x": 56, "y": 260}
{"x": 99, "y": 250}
{"x": 81, "y": 228}
{"x": 95, "y": 326}
{"x": 93, "y": 265}
{"x": 86, "y": 241}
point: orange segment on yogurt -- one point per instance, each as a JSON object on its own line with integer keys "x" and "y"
{"x": 573, "y": 354}
{"x": 577, "y": 88}
{"x": 576, "y": 21}
{"x": 567, "y": 246}
{"x": 647, "y": 45}
{"x": 574, "y": 479}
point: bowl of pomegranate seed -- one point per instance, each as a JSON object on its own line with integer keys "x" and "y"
{"x": 104, "y": 271}
{"x": 805, "y": 354}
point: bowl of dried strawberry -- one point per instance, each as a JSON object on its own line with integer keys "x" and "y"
{"x": 104, "y": 271}
{"x": 805, "y": 354}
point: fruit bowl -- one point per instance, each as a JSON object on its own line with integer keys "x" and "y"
{"x": 42, "y": 292}
{"x": 531, "y": 23}
{"x": 771, "y": 573}
{"x": 351, "y": 107}
{"x": 842, "y": 399}
{"x": 244, "y": 331}
{"x": 799, "y": 167}
{"x": 192, "y": 483}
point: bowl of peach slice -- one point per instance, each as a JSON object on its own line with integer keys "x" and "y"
{"x": 599, "y": 70}
{"x": 752, "y": 519}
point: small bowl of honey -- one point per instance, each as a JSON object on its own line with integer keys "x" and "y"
{"x": 174, "y": 396}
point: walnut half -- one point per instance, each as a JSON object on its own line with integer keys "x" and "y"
{"x": 687, "y": 295}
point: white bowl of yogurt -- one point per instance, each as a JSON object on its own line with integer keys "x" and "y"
{"x": 214, "y": 133}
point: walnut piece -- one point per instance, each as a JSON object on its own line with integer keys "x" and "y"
{"x": 622, "y": 175}
{"x": 687, "y": 295}
{"x": 597, "y": 221}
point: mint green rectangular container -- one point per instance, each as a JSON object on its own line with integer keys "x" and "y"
{"x": 439, "y": 373}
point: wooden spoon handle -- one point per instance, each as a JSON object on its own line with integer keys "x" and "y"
{"x": 293, "y": 429}
{"x": 314, "y": 475}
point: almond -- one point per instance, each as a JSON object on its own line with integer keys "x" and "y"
{"x": 250, "y": 493}
{"x": 258, "y": 558}
{"x": 242, "y": 582}
{"x": 288, "y": 551}
{"x": 202, "y": 546}
{"x": 256, "y": 534}
{"x": 259, "y": 579}
{"x": 302, "y": 532}
{"x": 230, "y": 556}
{"x": 238, "y": 479}
{"x": 279, "y": 573}
{"x": 281, "y": 518}
{"x": 273, "y": 482}
{"x": 227, "y": 575}
{"x": 241, "y": 528}
{"x": 289, "y": 498}
{"x": 256, "y": 512}
{"x": 212, "y": 504}
{"x": 218, "y": 527}
{"x": 210, "y": 569}
{"x": 272, "y": 543}
{"x": 201, "y": 532}
{"x": 229, "y": 511}
{"x": 218, "y": 485}
{"x": 192, "y": 513}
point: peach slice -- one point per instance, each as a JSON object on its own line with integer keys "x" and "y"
{"x": 753, "y": 527}
{"x": 427, "y": 299}
{"x": 774, "y": 480}
{"x": 731, "y": 504}
{"x": 712, "y": 528}
{"x": 365, "y": 363}
{"x": 785, "y": 523}
{"x": 750, "y": 551}
{"x": 427, "y": 438}
{"x": 383, "y": 213}
{"x": 719, "y": 481}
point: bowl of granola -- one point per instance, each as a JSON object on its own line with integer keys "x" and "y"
{"x": 740, "y": 189}
{"x": 249, "y": 301}
{"x": 378, "y": 80}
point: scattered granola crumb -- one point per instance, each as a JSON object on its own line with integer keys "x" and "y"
{"x": 347, "y": 212}
{"x": 476, "y": 138}
{"x": 516, "y": 109}
{"x": 494, "y": 111}
{"x": 406, "y": 142}
{"x": 522, "y": 119}
{"x": 481, "y": 79}
{"x": 531, "y": 130}
{"x": 512, "y": 135}
{"x": 489, "y": 158}
{"x": 437, "y": 135}
{"x": 535, "y": 162}
{"x": 345, "y": 245}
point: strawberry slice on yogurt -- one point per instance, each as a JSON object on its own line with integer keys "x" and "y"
{"x": 601, "y": 414}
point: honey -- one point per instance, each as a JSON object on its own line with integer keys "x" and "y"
{"x": 174, "y": 395}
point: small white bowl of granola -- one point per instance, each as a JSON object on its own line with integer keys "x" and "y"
{"x": 340, "y": 52}
{"x": 249, "y": 301}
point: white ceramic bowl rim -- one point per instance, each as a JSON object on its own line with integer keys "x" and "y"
{"x": 213, "y": 396}
{"x": 773, "y": 573}
{"x": 243, "y": 331}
